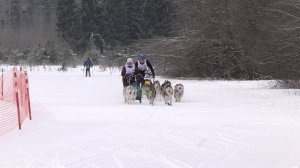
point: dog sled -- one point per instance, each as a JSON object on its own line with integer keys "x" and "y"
{"x": 147, "y": 88}
{"x": 130, "y": 90}
{"x": 139, "y": 87}
{"x": 136, "y": 81}
{"x": 142, "y": 84}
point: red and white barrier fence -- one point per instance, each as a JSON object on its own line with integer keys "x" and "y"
{"x": 14, "y": 100}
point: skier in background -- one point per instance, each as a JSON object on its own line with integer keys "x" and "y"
{"x": 88, "y": 65}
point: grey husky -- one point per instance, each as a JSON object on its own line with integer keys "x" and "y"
{"x": 129, "y": 93}
{"x": 178, "y": 92}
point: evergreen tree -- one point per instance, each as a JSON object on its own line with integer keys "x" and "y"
{"x": 135, "y": 20}
{"x": 15, "y": 14}
{"x": 159, "y": 16}
{"x": 87, "y": 13}
{"x": 100, "y": 28}
{"x": 68, "y": 24}
{"x": 116, "y": 19}
{"x": 51, "y": 52}
{"x": 92, "y": 21}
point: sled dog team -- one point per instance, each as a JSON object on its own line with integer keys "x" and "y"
{"x": 136, "y": 86}
{"x": 155, "y": 91}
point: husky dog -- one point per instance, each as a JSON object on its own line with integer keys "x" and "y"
{"x": 178, "y": 92}
{"x": 166, "y": 83}
{"x": 157, "y": 90}
{"x": 129, "y": 93}
{"x": 149, "y": 91}
{"x": 167, "y": 92}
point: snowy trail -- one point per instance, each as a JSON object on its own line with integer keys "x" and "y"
{"x": 82, "y": 122}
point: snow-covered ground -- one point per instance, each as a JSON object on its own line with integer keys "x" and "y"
{"x": 82, "y": 122}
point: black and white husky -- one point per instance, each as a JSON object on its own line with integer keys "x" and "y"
{"x": 178, "y": 92}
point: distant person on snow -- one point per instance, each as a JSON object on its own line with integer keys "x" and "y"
{"x": 142, "y": 65}
{"x": 88, "y": 65}
{"x": 128, "y": 72}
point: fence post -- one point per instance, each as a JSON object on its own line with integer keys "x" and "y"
{"x": 2, "y": 87}
{"x": 28, "y": 97}
{"x": 17, "y": 97}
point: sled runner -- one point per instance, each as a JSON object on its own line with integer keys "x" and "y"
{"x": 139, "y": 85}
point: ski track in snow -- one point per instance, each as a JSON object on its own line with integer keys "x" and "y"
{"x": 83, "y": 123}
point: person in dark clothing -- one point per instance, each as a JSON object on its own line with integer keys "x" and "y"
{"x": 88, "y": 65}
{"x": 142, "y": 65}
{"x": 128, "y": 72}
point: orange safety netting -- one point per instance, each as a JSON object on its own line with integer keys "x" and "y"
{"x": 14, "y": 100}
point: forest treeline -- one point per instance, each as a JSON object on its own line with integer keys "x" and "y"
{"x": 228, "y": 39}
